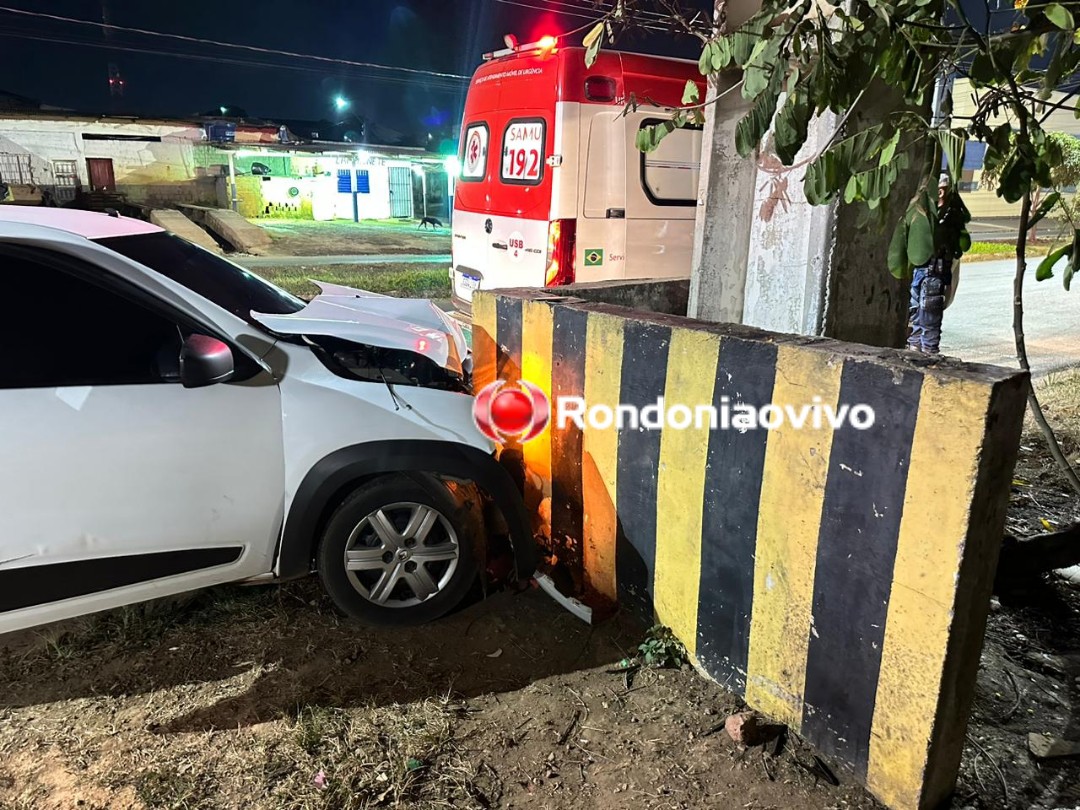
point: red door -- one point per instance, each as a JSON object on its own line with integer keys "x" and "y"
{"x": 101, "y": 174}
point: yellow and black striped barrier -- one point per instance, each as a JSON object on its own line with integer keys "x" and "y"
{"x": 837, "y": 579}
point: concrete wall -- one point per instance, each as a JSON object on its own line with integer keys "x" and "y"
{"x": 155, "y": 173}
{"x": 838, "y": 580}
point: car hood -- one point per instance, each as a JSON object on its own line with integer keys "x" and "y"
{"x": 408, "y": 324}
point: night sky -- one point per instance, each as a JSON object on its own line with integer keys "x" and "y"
{"x": 448, "y": 36}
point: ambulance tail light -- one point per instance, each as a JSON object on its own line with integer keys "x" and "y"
{"x": 600, "y": 88}
{"x": 562, "y": 245}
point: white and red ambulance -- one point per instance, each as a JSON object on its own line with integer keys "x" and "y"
{"x": 552, "y": 189}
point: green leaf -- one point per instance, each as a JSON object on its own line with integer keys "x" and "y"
{"x": 1044, "y": 208}
{"x": 1074, "y": 262}
{"x": 898, "y": 262}
{"x": 952, "y": 146}
{"x": 1046, "y": 266}
{"x": 691, "y": 94}
{"x": 889, "y": 149}
{"x": 753, "y": 126}
{"x": 828, "y": 175}
{"x": 721, "y": 54}
{"x": 1059, "y": 16}
{"x": 920, "y": 243}
{"x": 592, "y": 49}
{"x": 791, "y": 124}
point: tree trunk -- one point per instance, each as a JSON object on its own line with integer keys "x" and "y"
{"x": 1021, "y": 347}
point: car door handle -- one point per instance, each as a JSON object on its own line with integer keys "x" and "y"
{"x": 500, "y": 245}
{"x": 616, "y": 213}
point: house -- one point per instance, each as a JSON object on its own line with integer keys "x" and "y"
{"x": 261, "y": 168}
{"x": 984, "y": 202}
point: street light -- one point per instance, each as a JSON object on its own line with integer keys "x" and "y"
{"x": 341, "y": 103}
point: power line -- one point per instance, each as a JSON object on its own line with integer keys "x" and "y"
{"x": 442, "y": 87}
{"x": 592, "y": 17}
{"x": 220, "y": 44}
{"x": 601, "y": 8}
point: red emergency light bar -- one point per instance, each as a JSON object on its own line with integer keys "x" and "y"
{"x": 544, "y": 44}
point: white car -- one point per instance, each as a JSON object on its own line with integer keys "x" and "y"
{"x": 169, "y": 421}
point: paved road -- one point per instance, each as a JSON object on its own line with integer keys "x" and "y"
{"x": 978, "y": 325}
{"x": 308, "y": 261}
{"x": 1004, "y": 229}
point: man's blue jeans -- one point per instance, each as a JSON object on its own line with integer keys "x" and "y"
{"x": 926, "y": 308}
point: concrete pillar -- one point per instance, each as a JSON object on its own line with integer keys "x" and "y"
{"x": 791, "y": 241}
{"x": 765, "y": 257}
{"x": 725, "y": 213}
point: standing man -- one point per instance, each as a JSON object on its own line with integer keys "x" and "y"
{"x": 929, "y": 290}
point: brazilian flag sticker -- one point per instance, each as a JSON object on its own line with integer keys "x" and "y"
{"x": 594, "y": 257}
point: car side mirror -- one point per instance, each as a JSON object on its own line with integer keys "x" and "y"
{"x": 205, "y": 361}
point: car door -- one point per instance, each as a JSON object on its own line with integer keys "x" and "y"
{"x": 117, "y": 483}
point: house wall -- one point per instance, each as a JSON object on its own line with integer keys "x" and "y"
{"x": 159, "y": 172}
{"x": 985, "y": 202}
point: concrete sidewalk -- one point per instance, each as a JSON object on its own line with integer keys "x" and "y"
{"x": 978, "y": 326}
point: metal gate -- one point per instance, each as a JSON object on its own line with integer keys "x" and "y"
{"x": 65, "y": 181}
{"x": 401, "y": 192}
{"x": 15, "y": 169}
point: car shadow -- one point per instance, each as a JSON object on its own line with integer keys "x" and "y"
{"x": 235, "y": 657}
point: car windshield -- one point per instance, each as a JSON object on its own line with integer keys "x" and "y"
{"x": 229, "y": 286}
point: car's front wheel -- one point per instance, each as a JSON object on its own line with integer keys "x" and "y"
{"x": 398, "y": 550}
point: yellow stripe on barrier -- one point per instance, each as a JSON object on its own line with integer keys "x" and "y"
{"x": 536, "y": 335}
{"x": 600, "y": 453}
{"x": 485, "y": 341}
{"x": 789, "y": 518}
{"x": 949, "y": 433}
{"x": 691, "y": 377}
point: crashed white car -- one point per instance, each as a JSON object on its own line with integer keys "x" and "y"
{"x": 169, "y": 421}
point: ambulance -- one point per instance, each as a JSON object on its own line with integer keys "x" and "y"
{"x": 552, "y": 189}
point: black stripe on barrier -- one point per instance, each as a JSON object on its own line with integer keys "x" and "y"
{"x": 644, "y": 375}
{"x": 508, "y": 327}
{"x": 569, "y": 330}
{"x": 860, "y": 527}
{"x": 736, "y": 461}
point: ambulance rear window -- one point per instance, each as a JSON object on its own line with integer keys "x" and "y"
{"x": 670, "y": 174}
{"x": 523, "y": 152}
{"x": 475, "y": 152}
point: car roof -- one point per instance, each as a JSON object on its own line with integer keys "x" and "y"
{"x": 88, "y": 224}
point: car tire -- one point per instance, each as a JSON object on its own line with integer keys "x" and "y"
{"x": 398, "y": 550}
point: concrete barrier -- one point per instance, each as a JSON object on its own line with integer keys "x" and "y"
{"x": 176, "y": 223}
{"x": 244, "y": 236}
{"x": 837, "y": 579}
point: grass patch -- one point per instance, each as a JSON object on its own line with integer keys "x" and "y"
{"x": 1059, "y": 394}
{"x": 169, "y": 789}
{"x": 403, "y": 280}
{"x": 989, "y": 251}
{"x": 396, "y": 756}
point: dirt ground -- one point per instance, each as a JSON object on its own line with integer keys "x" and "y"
{"x": 262, "y": 697}
{"x": 337, "y": 238}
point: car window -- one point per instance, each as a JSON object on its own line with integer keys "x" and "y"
{"x": 72, "y": 332}
{"x": 229, "y": 286}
